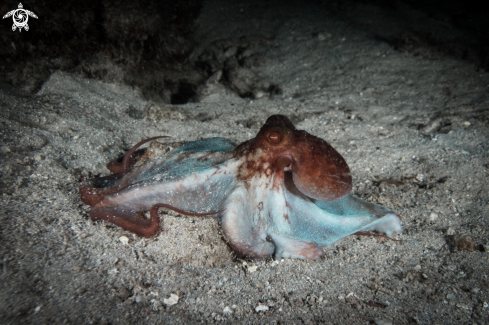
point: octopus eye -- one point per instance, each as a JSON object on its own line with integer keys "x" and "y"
{"x": 274, "y": 137}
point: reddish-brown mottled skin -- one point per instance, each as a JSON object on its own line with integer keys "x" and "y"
{"x": 318, "y": 170}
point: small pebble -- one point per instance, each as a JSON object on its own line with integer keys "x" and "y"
{"x": 463, "y": 306}
{"x": 322, "y": 36}
{"x": 81, "y": 291}
{"x": 464, "y": 243}
{"x": 38, "y": 157}
{"x": 382, "y": 322}
{"x": 433, "y": 216}
{"x": 252, "y": 268}
{"x": 258, "y": 94}
{"x": 420, "y": 177}
{"x": 227, "y": 311}
{"x": 173, "y": 300}
{"x": 124, "y": 240}
{"x": 260, "y": 308}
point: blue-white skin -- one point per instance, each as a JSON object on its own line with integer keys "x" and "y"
{"x": 284, "y": 193}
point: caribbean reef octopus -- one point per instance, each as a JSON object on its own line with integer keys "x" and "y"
{"x": 285, "y": 193}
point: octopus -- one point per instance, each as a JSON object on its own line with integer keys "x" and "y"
{"x": 283, "y": 194}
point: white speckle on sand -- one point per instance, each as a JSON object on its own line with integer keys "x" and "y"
{"x": 260, "y": 308}
{"x": 124, "y": 240}
{"x": 172, "y": 300}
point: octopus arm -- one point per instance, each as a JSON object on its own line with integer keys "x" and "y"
{"x": 194, "y": 179}
{"x": 243, "y": 226}
{"x": 198, "y": 195}
{"x": 192, "y": 158}
{"x": 307, "y": 224}
{"x": 325, "y": 222}
{"x": 206, "y": 145}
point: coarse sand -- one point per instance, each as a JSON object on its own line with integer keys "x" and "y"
{"x": 414, "y": 131}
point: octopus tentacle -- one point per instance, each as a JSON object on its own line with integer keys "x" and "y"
{"x": 119, "y": 168}
{"x": 325, "y": 222}
{"x": 287, "y": 247}
{"x": 247, "y": 239}
{"x": 128, "y": 220}
{"x": 91, "y": 195}
{"x": 125, "y": 161}
{"x": 187, "y": 213}
{"x": 115, "y": 166}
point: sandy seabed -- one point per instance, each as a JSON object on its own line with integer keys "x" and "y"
{"x": 413, "y": 130}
